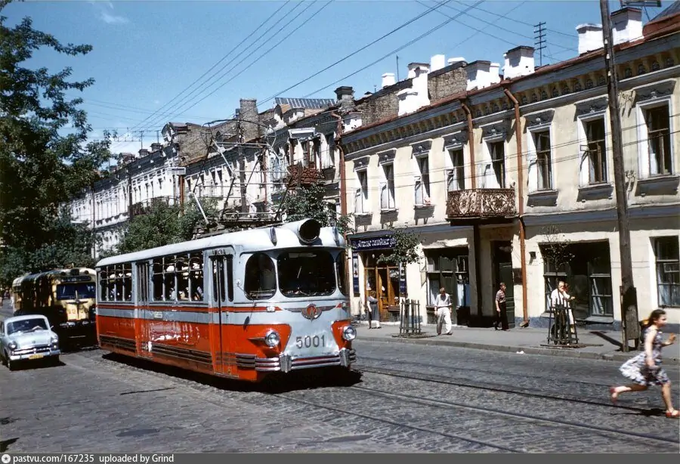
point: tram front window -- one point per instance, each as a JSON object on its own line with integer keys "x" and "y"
{"x": 260, "y": 280}
{"x": 68, "y": 291}
{"x": 306, "y": 273}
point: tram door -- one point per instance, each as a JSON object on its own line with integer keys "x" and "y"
{"x": 142, "y": 314}
{"x": 222, "y": 294}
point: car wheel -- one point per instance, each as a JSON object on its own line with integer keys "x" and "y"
{"x": 12, "y": 366}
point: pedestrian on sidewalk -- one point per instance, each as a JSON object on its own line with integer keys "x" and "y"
{"x": 501, "y": 308}
{"x": 442, "y": 307}
{"x": 372, "y": 309}
{"x": 645, "y": 368}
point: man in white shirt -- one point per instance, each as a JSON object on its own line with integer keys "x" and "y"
{"x": 442, "y": 305}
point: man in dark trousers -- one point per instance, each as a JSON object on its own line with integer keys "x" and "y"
{"x": 501, "y": 308}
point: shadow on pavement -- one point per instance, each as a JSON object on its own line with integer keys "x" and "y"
{"x": 275, "y": 383}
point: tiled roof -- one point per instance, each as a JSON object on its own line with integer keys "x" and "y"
{"x": 310, "y": 103}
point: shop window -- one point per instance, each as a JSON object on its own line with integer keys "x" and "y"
{"x": 448, "y": 268}
{"x": 586, "y": 268}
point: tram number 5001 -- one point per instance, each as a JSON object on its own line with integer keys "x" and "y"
{"x": 308, "y": 341}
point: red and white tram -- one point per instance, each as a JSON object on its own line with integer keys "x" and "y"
{"x": 239, "y": 305}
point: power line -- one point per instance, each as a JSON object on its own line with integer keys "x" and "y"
{"x": 410, "y": 42}
{"x": 362, "y": 48}
{"x": 216, "y": 64}
{"x": 286, "y": 37}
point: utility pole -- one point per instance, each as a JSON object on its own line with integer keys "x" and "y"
{"x": 629, "y": 318}
{"x": 539, "y": 41}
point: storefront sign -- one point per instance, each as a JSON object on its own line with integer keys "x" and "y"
{"x": 375, "y": 243}
{"x": 355, "y": 274}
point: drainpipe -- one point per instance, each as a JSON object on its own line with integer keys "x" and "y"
{"x": 476, "y": 239}
{"x": 520, "y": 199}
{"x": 471, "y": 144}
{"x": 341, "y": 160}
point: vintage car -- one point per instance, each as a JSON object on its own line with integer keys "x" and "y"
{"x": 24, "y": 338}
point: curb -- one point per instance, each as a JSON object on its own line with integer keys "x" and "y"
{"x": 566, "y": 352}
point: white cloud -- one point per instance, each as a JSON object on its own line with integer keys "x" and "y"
{"x": 113, "y": 19}
{"x": 104, "y": 13}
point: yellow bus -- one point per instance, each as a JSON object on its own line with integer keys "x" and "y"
{"x": 67, "y": 297}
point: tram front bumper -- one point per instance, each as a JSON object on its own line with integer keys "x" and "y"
{"x": 286, "y": 363}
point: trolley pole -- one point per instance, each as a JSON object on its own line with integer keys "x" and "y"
{"x": 630, "y": 327}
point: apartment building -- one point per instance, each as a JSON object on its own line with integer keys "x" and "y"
{"x": 492, "y": 177}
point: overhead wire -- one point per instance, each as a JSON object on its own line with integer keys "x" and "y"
{"x": 232, "y": 50}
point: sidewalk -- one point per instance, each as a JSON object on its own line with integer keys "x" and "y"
{"x": 592, "y": 344}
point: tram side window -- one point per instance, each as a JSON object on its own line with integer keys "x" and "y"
{"x": 182, "y": 273}
{"x": 230, "y": 277}
{"x": 217, "y": 290}
{"x": 196, "y": 276}
{"x": 127, "y": 282}
{"x": 260, "y": 280}
{"x": 103, "y": 285}
{"x": 157, "y": 279}
{"x": 169, "y": 287}
{"x": 341, "y": 272}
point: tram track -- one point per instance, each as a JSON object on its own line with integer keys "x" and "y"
{"x": 362, "y": 397}
{"x": 499, "y": 412}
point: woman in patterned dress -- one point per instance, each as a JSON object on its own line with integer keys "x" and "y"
{"x": 645, "y": 368}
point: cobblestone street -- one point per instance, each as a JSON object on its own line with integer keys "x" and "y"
{"x": 405, "y": 398}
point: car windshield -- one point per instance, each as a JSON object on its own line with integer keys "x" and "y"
{"x": 26, "y": 325}
{"x": 68, "y": 291}
{"x": 306, "y": 273}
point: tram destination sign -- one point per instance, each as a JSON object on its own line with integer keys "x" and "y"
{"x": 373, "y": 243}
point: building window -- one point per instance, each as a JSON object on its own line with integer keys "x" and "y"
{"x": 543, "y": 159}
{"x": 361, "y": 195}
{"x": 497, "y": 151}
{"x": 455, "y": 177}
{"x": 659, "y": 140}
{"x": 422, "y": 182}
{"x": 448, "y": 268}
{"x": 586, "y": 268}
{"x": 667, "y": 270}
{"x": 596, "y": 152}
{"x": 387, "y": 188}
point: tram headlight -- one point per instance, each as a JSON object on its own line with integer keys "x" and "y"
{"x": 272, "y": 339}
{"x": 349, "y": 333}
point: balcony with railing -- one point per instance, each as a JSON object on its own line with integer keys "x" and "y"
{"x": 481, "y": 204}
{"x": 303, "y": 174}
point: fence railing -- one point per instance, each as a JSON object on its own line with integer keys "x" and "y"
{"x": 409, "y": 318}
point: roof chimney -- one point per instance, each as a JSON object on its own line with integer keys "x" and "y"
{"x": 417, "y": 96}
{"x": 494, "y": 73}
{"x": 388, "y": 79}
{"x": 626, "y": 25}
{"x": 458, "y": 59}
{"x": 478, "y": 74}
{"x": 518, "y": 62}
{"x": 345, "y": 96}
{"x": 437, "y": 62}
{"x": 589, "y": 37}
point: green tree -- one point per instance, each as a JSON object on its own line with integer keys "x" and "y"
{"x": 405, "y": 249}
{"x": 41, "y": 166}
{"x": 307, "y": 201}
{"x": 163, "y": 224}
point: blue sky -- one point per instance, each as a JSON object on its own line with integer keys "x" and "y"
{"x": 148, "y": 54}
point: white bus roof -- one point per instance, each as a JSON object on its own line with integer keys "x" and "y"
{"x": 247, "y": 240}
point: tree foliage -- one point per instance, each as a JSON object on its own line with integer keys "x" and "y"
{"x": 405, "y": 249}
{"x": 163, "y": 224}
{"x": 556, "y": 251}
{"x": 308, "y": 201}
{"x": 41, "y": 165}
